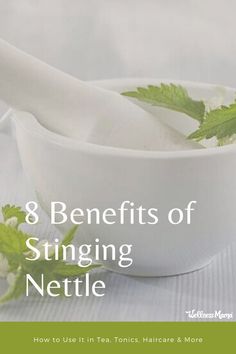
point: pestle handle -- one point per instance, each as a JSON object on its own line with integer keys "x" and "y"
{"x": 77, "y": 109}
{"x": 55, "y": 98}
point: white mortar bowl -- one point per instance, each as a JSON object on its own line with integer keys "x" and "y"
{"x": 85, "y": 175}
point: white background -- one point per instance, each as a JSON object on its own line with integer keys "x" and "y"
{"x": 98, "y": 39}
{"x": 92, "y": 39}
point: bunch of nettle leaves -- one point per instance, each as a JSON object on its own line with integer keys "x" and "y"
{"x": 13, "y": 253}
{"x": 218, "y": 122}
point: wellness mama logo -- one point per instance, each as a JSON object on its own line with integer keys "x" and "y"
{"x": 199, "y": 314}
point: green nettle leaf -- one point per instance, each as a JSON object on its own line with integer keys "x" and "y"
{"x": 12, "y": 241}
{"x": 174, "y": 97}
{"x": 219, "y": 123}
{"x": 9, "y": 211}
{"x": 65, "y": 270}
{"x": 69, "y": 236}
{"x": 13, "y": 247}
{"x": 39, "y": 267}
